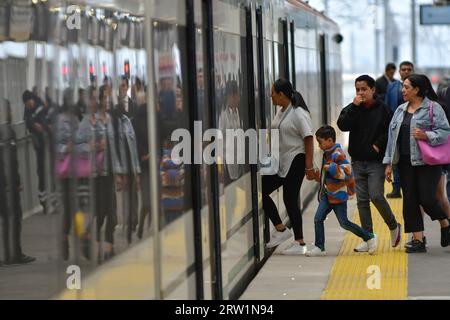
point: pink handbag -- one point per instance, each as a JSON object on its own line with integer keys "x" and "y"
{"x": 434, "y": 155}
{"x": 84, "y": 166}
{"x": 63, "y": 167}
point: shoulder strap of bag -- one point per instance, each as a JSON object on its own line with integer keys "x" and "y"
{"x": 431, "y": 115}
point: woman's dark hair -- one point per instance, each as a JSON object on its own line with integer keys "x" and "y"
{"x": 284, "y": 86}
{"x": 425, "y": 87}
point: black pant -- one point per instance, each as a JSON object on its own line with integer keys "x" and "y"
{"x": 105, "y": 202}
{"x": 67, "y": 190}
{"x": 419, "y": 186}
{"x": 291, "y": 190}
{"x": 40, "y": 157}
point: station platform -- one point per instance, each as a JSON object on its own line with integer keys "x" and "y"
{"x": 390, "y": 274}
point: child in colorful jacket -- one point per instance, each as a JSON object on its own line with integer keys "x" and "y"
{"x": 337, "y": 186}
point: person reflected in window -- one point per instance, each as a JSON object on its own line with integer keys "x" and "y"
{"x": 93, "y": 143}
{"x": 34, "y": 117}
{"x": 230, "y": 119}
{"x": 65, "y": 130}
{"x": 144, "y": 158}
{"x": 10, "y": 189}
{"x": 125, "y": 160}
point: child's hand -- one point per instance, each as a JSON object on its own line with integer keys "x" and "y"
{"x": 326, "y": 167}
{"x": 317, "y": 175}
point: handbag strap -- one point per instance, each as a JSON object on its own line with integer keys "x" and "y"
{"x": 431, "y": 115}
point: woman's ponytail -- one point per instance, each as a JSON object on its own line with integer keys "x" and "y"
{"x": 284, "y": 86}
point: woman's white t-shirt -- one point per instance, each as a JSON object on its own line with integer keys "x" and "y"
{"x": 295, "y": 126}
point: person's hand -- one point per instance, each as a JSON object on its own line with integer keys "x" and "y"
{"x": 326, "y": 167}
{"x": 119, "y": 182}
{"x": 388, "y": 173}
{"x": 310, "y": 175}
{"x": 376, "y": 148}
{"x": 39, "y": 128}
{"x": 317, "y": 175}
{"x": 420, "y": 134}
{"x": 145, "y": 158}
{"x": 358, "y": 100}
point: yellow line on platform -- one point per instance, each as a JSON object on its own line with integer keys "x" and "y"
{"x": 353, "y": 276}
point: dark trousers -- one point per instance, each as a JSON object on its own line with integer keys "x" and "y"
{"x": 291, "y": 190}
{"x": 419, "y": 187}
{"x": 11, "y": 214}
{"x": 40, "y": 157}
{"x": 105, "y": 202}
{"x": 67, "y": 191}
{"x": 396, "y": 182}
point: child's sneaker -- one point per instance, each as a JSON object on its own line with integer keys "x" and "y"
{"x": 296, "y": 249}
{"x": 372, "y": 244}
{"x": 278, "y": 238}
{"x": 362, "y": 247}
{"x": 316, "y": 252}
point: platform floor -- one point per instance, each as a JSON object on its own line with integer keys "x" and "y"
{"x": 345, "y": 275}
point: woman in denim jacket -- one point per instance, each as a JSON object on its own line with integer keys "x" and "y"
{"x": 93, "y": 143}
{"x": 65, "y": 130}
{"x": 125, "y": 164}
{"x": 419, "y": 181}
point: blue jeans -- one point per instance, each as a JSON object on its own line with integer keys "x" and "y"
{"x": 341, "y": 213}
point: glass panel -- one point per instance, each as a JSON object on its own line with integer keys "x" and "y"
{"x": 81, "y": 150}
{"x": 235, "y": 181}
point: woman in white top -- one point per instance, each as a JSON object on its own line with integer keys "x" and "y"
{"x": 295, "y": 160}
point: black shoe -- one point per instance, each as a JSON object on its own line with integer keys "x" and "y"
{"x": 445, "y": 237}
{"x": 409, "y": 244}
{"x": 23, "y": 259}
{"x": 416, "y": 247}
{"x": 394, "y": 195}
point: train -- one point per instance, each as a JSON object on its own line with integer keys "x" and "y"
{"x": 205, "y": 235}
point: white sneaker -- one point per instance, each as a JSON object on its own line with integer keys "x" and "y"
{"x": 278, "y": 238}
{"x": 316, "y": 252}
{"x": 362, "y": 247}
{"x": 373, "y": 244}
{"x": 295, "y": 250}
{"x": 396, "y": 235}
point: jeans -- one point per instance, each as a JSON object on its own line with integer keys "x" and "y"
{"x": 341, "y": 213}
{"x": 370, "y": 187}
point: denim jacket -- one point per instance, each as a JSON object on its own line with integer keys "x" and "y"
{"x": 66, "y": 126}
{"x": 126, "y": 139}
{"x": 85, "y": 138}
{"x": 421, "y": 119}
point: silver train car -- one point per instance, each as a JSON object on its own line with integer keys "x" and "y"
{"x": 204, "y": 234}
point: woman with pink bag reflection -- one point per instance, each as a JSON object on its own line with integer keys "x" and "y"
{"x": 419, "y": 121}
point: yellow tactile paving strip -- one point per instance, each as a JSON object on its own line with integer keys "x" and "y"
{"x": 351, "y": 272}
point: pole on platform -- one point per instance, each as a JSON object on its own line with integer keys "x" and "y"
{"x": 413, "y": 32}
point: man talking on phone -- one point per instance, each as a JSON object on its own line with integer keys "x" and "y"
{"x": 367, "y": 119}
